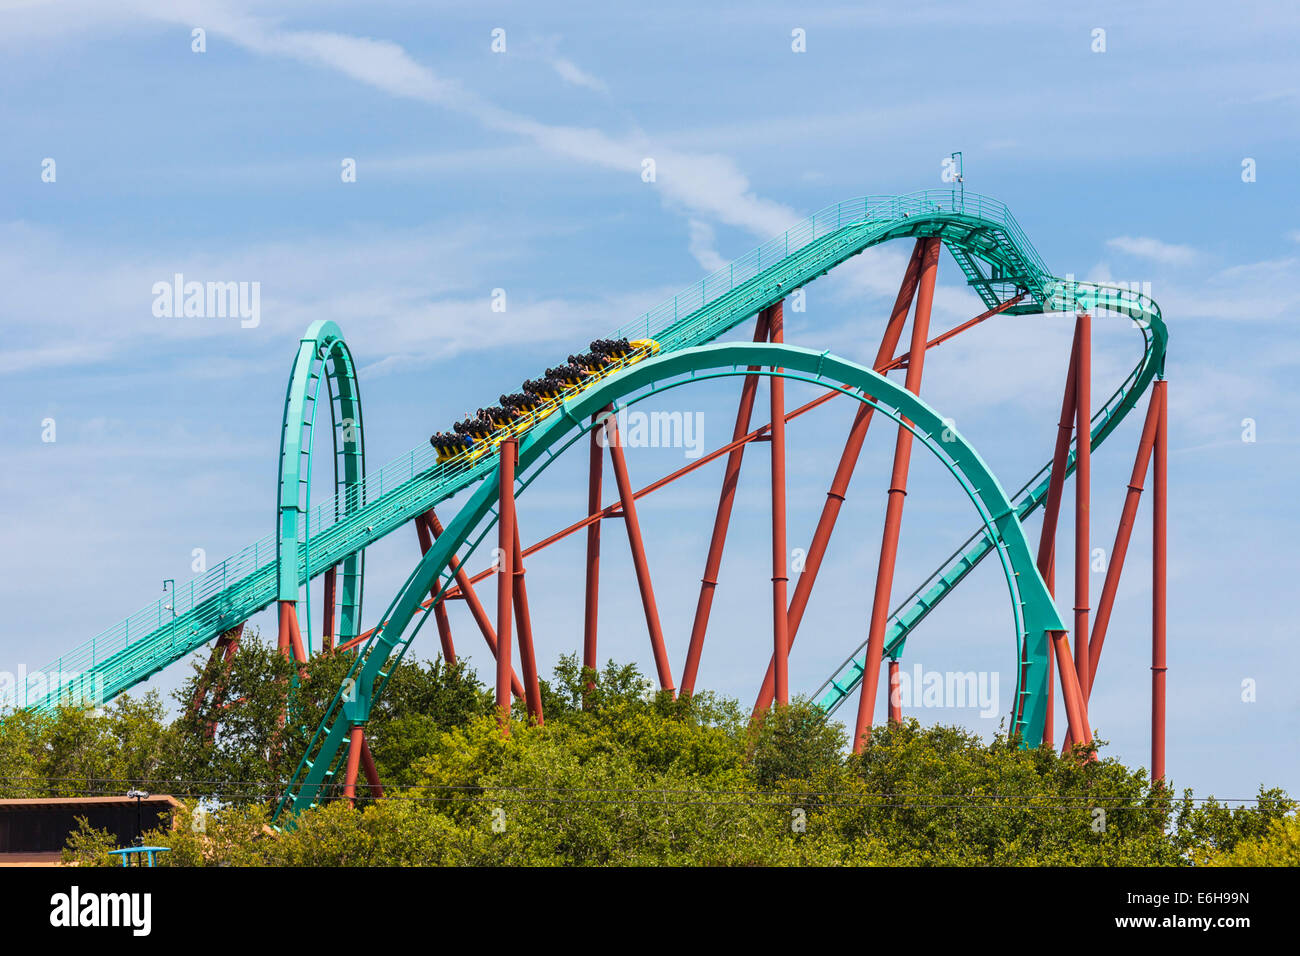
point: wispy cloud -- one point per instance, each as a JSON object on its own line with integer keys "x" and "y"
{"x": 572, "y": 74}
{"x": 701, "y": 184}
{"x": 702, "y": 246}
{"x": 1145, "y": 247}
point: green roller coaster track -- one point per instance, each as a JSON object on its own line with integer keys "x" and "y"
{"x": 989, "y": 247}
{"x": 323, "y": 359}
{"x": 1033, "y": 611}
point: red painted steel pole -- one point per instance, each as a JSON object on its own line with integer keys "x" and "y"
{"x": 475, "y": 605}
{"x": 722, "y": 519}
{"x": 508, "y": 449}
{"x": 527, "y": 657}
{"x": 368, "y": 767}
{"x": 290, "y": 641}
{"x": 639, "y": 562}
{"x": 354, "y": 763}
{"x": 423, "y": 532}
{"x": 1076, "y": 708}
{"x": 1052, "y": 513}
{"x": 1106, "y": 602}
{"x": 591, "y": 609}
{"x": 222, "y": 651}
{"x": 1159, "y": 556}
{"x": 780, "y": 556}
{"x": 1082, "y": 499}
{"x": 895, "y": 693}
{"x": 843, "y": 472}
{"x": 894, "y": 508}
{"x": 232, "y": 638}
{"x": 327, "y": 626}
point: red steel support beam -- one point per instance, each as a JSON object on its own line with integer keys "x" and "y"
{"x": 1106, "y": 602}
{"x": 591, "y": 606}
{"x": 1159, "y": 555}
{"x": 424, "y": 531}
{"x": 1076, "y": 708}
{"x": 355, "y": 739}
{"x": 219, "y": 691}
{"x": 1082, "y": 499}
{"x": 471, "y": 600}
{"x": 223, "y": 649}
{"x": 895, "y": 693}
{"x": 638, "y": 554}
{"x": 523, "y": 622}
{"x": 722, "y": 519}
{"x": 290, "y": 640}
{"x": 844, "y": 471}
{"x": 780, "y": 557}
{"x": 368, "y": 768}
{"x": 1052, "y": 514}
{"x": 508, "y": 450}
{"x": 327, "y": 627}
{"x": 894, "y": 507}
{"x": 217, "y": 671}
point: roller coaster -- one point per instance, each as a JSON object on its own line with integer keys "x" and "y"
{"x": 495, "y": 455}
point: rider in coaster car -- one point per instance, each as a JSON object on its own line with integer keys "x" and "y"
{"x": 588, "y": 362}
{"x": 568, "y": 374}
{"x": 448, "y": 445}
{"x": 539, "y": 388}
{"x": 614, "y": 348}
{"x": 521, "y": 402}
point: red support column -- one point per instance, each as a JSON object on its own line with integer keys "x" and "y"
{"x": 223, "y": 649}
{"x": 722, "y": 519}
{"x": 217, "y": 671}
{"x": 1082, "y": 499}
{"x": 355, "y": 740}
{"x": 780, "y": 556}
{"x": 1106, "y": 602}
{"x": 627, "y": 497}
{"x": 1052, "y": 513}
{"x": 508, "y": 449}
{"x": 423, "y": 530}
{"x": 894, "y": 508}
{"x": 290, "y": 640}
{"x": 473, "y": 603}
{"x": 368, "y": 767}
{"x": 1159, "y": 555}
{"x": 843, "y": 472}
{"x": 895, "y": 693}
{"x": 591, "y": 608}
{"x": 327, "y": 627}
{"x": 1076, "y": 708}
{"x": 527, "y": 657}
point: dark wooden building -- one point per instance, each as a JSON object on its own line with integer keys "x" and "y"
{"x": 41, "y": 826}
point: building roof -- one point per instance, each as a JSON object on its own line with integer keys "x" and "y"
{"x": 58, "y": 803}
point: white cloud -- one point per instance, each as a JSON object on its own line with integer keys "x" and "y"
{"x": 702, "y": 246}
{"x": 575, "y": 76}
{"x": 402, "y": 296}
{"x": 701, "y": 183}
{"x": 1144, "y": 247}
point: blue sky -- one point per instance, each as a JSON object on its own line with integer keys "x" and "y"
{"x": 521, "y": 170}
